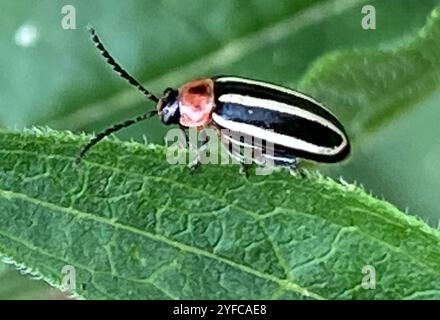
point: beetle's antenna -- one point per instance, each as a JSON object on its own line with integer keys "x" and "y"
{"x": 122, "y": 73}
{"x": 106, "y": 132}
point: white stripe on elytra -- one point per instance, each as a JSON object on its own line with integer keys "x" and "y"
{"x": 276, "y": 138}
{"x": 241, "y": 158}
{"x": 242, "y": 144}
{"x": 288, "y": 160}
{"x": 271, "y": 86}
{"x": 280, "y": 107}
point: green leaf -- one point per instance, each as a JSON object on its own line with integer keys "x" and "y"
{"x": 62, "y": 81}
{"x": 62, "y": 73}
{"x": 387, "y": 97}
{"x": 135, "y": 227}
{"x": 367, "y": 87}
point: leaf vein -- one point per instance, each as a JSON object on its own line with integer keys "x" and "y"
{"x": 287, "y": 284}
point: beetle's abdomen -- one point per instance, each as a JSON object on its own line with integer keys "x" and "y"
{"x": 296, "y": 124}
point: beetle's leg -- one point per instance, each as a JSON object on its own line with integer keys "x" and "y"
{"x": 187, "y": 142}
{"x": 293, "y": 167}
{"x": 289, "y": 162}
{"x": 193, "y": 165}
{"x": 235, "y": 152}
{"x": 244, "y": 169}
{"x": 189, "y": 146}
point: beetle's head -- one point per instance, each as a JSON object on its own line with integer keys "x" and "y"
{"x": 168, "y": 107}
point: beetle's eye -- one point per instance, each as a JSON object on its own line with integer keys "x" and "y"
{"x": 170, "y": 113}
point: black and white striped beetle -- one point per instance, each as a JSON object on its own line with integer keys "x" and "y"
{"x": 295, "y": 124}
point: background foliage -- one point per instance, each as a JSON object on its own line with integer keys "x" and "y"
{"x": 61, "y": 82}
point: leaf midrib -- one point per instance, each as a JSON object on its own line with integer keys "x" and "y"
{"x": 283, "y": 283}
{"x": 234, "y": 205}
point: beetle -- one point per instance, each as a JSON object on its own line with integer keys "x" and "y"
{"x": 296, "y": 125}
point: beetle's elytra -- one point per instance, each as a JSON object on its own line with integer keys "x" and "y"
{"x": 295, "y": 124}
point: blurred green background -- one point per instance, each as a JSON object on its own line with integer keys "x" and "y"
{"x": 54, "y": 77}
